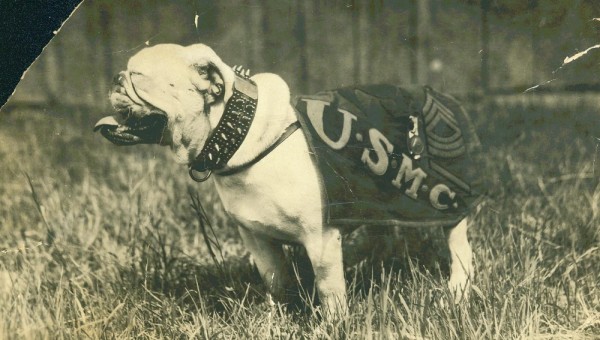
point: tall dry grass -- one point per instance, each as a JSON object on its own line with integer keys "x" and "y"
{"x": 102, "y": 242}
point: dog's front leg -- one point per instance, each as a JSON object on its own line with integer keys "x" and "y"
{"x": 461, "y": 266}
{"x": 270, "y": 260}
{"x": 325, "y": 252}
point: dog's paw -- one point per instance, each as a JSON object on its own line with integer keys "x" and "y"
{"x": 460, "y": 286}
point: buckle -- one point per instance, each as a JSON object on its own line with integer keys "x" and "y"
{"x": 192, "y": 173}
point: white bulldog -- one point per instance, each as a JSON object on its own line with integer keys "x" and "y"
{"x": 174, "y": 95}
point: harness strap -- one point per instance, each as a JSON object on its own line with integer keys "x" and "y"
{"x": 288, "y": 132}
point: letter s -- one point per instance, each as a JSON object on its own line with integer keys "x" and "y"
{"x": 382, "y": 147}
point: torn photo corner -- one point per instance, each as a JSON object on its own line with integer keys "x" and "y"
{"x": 27, "y": 28}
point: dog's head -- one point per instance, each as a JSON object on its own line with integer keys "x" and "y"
{"x": 165, "y": 97}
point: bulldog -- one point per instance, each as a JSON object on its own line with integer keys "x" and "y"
{"x": 260, "y": 162}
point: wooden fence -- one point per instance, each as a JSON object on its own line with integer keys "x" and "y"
{"x": 463, "y": 46}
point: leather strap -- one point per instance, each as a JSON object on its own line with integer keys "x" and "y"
{"x": 288, "y": 132}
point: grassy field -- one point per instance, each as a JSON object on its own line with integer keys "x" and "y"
{"x": 102, "y": 242}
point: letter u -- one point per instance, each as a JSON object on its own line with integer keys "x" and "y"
{"x": 315, "y": 109}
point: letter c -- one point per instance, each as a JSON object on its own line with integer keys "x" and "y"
{"x": 434, "y": 196}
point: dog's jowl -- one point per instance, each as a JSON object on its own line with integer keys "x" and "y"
{"x": 295, "y": 173}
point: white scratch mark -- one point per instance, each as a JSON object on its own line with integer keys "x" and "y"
{"x": 147, "y": 43}
{"x": 567, "y": 60}
{"x": 196, "y": 17}
{"x": 538, "y": 85}
{"x": 595, "y": 155}
{"x": 579, "y": 55}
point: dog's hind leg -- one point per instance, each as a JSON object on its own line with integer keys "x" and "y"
{"x": 325, "y": 253}
{"x": 461, "y": 257}
{"x": 269, "y": 258}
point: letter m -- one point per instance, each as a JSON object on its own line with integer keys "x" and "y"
{"x": 407, "y": 174}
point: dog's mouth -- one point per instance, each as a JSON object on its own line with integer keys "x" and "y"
{"x": 145, "y": 130}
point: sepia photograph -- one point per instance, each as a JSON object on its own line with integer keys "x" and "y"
{"x": 300, "y": 169}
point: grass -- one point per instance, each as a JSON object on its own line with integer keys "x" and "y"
{"x": 103, "y": 242}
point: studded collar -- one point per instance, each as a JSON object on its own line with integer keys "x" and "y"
{"x": 231, "y": 130}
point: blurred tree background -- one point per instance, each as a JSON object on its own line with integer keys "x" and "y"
{"x": 458, "y": 46}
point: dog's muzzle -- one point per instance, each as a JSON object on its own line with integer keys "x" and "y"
{"x": 126, "y": 128}
{"x": 145, "y": 130}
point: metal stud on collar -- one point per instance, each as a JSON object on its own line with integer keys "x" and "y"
{"x": 241, "y": 72}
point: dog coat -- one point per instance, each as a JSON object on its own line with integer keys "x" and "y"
{"x": 392, "y": 156}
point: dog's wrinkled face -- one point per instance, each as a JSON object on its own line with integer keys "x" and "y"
{"x": 165, "y": 96}
{"x": 136, "y": 121}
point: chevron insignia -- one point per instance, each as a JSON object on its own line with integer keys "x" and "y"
{"x": 443, "y": 133}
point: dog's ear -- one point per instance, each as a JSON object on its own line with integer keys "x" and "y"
{"x": 214, "y": 78}
{"x": 209, "y": 83}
